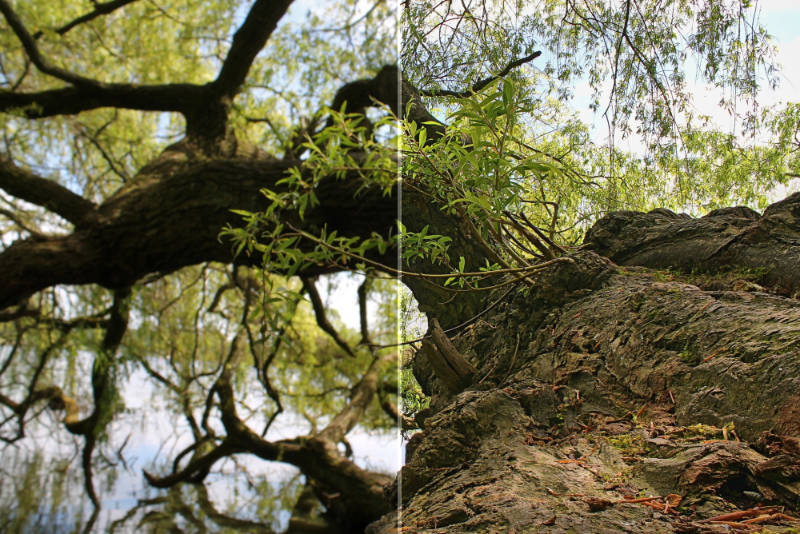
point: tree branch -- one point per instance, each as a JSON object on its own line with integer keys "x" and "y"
{"x": 99, "y": 9}
{"x": 46, "y": 193}
{"x": 102, "y": 388}
{"x": 383, "y": 88}
{"x": 21, "y": 224}
{"x": 363, "y": 393}
{"x": 391, "y": 410}
{"x": 362, "y": 312}
{"x": 248, "y": 41}
{"x": 72, "y": 100}
{"x": 195, "y": 469}
{"x": 480, "y": 84}
{"x": 354, "y": 494}
{"x": 322, "y": 319}
{"x": 449, "y": 366}
{"x": 29, "y": 44}
{"x": 183, "y": 231}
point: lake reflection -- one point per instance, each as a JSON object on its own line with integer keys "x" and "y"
{"x": 43, "y": 485}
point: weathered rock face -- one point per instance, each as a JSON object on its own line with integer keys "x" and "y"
{"x": 606, "y": 383}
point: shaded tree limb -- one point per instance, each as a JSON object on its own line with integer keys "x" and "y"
{"x": 198, "y": 467}
{"x": 48, "y": 194}
{"x": 403, "y": 99}
{"x": 103, "y": 387}
{"x": 322, "y": 319}
{"x": 306, "y": 517}
{"x": 453, "y": 359}
{"x": 248, "y": 41}
{"x": 21, "y": 224}
{"x": 204, "y": 107}
{"x": 362, "y": 395}
{"x": 362, "y": 312}
{"x": 391, "y": 410}
{"x": 177, "y": 97}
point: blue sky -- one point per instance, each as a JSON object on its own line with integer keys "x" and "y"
{"x": 781, "y": 18}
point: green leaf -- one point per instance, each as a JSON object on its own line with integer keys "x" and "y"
{"x": 508, "y": 93}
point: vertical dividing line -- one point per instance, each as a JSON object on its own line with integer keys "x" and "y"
{"x": 399, "y": 301}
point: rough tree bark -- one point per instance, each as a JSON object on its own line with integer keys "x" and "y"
{"x": 610, "y": 382}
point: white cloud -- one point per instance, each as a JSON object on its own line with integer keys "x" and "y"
{"x": 771, "y": 6}
{"x": 789, "y": 89}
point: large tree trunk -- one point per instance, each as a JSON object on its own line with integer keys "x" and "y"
{"x": 591, "y": 388}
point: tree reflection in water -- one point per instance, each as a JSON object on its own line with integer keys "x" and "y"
{"x": 43, "y": 486}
